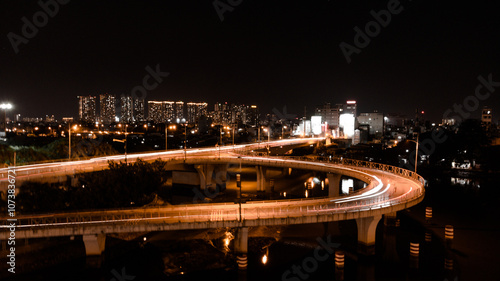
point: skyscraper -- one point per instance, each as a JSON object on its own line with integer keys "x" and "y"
{"x": 253, "y": 116}
{"x": 195, "y": 110}
{"x": 108, "y": 111}
{"x": 161, "y": 111}
{"x": 330, "y": 114}
{"x": 374, "y": 120}
{"x": 127, "y": 112}
{"x": 179, "y": 110}
{"x": 87, "y": 108}
{"x": 155, "y": 111}
{"x": 139, "y": 110}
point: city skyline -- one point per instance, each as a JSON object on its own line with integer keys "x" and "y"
{"x": 425, "y": 58}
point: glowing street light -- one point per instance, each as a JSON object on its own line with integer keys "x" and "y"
{"x": 4, "y": 107}
{"x": 416, "y": 153}
{"x": 69, "y": 138}
{"x": 268, "y": 134}
{"x": 171, "y": 127}
{"x": 264, "y": 259}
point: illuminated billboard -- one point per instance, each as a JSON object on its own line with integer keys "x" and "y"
{"x": 316, "y": 125}
{"x": 347, "y": 123}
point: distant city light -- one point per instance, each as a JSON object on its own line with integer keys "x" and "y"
{"x": 5, "y": 106}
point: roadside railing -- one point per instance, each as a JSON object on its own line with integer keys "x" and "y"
{"x": 229, "y": 211}
{"x": 212, "y": 212}
{"x": 65, "y": 166}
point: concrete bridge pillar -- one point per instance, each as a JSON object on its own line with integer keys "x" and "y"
{"x": 366, "y": 234}
{"x": 261, "y": 178}
{"x": 94, "y": 244}
{"x": 241, "y": 240}
{"x": 334, "y": 184}
{"x": 205, "y": 173}
{"x": 221, "y": 174}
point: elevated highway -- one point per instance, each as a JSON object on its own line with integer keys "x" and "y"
{"x": 389, "y": 189}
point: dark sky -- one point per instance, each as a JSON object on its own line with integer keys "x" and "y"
{"x": 270, "y": 53}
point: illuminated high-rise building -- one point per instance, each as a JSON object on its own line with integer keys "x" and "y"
{"x": 127, "y": 112}
{"x": 108, "y": 111}
{"x": 87, "y": 108}
{"x": 161, "y": 111}
{"x": 253, "y": 116}
{"x": 350, "y": 107}
{"x": 139, "y": 110}
{"x": 374, "y": 121}
{"x": 195, "y": 110}
{"x": 179, "y": 110}
{"x": 155, "y": 112}
{"x": 330, "y": 114}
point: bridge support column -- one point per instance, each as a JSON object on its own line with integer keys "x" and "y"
{"x": 221, "y": 175}
{"x": 366, "y": 234}
{"x": 261, "y": 178}
{"x": 94, "y": 244}
{"x": 241, "y": 240}
{"x": 333, "y": 184}
{"x": 205, "y": 172}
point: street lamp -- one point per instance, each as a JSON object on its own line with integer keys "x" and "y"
{"x": 268, "y": 134}
{"x": 185, "y": 141}
{"x": 282, "y": 131}
{"x": 233, "y": 134}
{"x": 416, "y": 153}
{"x": 124, "y": 141}
{"x": 69, "y": 138}
{"x": 126, "y": 126}
{"x": 5, "y": 106}
{"x": 238, "y": 184}
{"x": 171, "y": 127}
{"x": 220, "y": 135}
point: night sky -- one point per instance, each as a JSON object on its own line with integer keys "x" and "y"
{"x": 269, "y": 53}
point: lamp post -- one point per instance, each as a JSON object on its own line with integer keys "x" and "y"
{"x": 124, "y": 141}
{"x": 238, "y": 184}
{"x": 69, "y": 138}
{"x": 282, "y": 132}
{"x": 185, "y": 141}
{"x": 69, "y": 144}
{"x": 166, "y": 137}
{"x": 416, "y": 154}
{"x": 5, "y": 106}
{"x": 126, "y": 125}
{"x": 220, "y": 135}
{"x": 268, "y": 134}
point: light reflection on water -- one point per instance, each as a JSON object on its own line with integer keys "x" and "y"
{"x": 278, "y": 254}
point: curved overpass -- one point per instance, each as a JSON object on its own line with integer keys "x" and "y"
{"x": 53, "y": 170}
{"x": 389, "y": 190}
